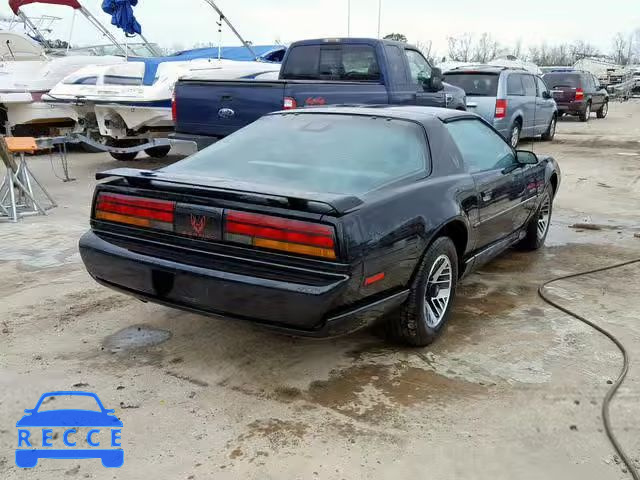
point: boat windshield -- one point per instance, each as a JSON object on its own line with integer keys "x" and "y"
{"x": 135, "y": 50}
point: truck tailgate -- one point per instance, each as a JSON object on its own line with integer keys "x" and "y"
{"x": 218, "y": 108}
{"x": 312, "y": 93}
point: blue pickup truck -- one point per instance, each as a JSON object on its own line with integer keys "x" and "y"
{"x": 314, "y": 72}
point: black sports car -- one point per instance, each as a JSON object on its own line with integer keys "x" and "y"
{"x": 318, "y": 221}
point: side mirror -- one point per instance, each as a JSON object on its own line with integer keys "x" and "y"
{"x": 525, "y": 157}
{"x": 435, "y": 82}
{"x": 546, "y": 95}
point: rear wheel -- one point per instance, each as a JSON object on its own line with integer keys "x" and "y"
{"x": 158, "y": 152}
{"x": 538, "y": 226}
{"x": 514, "y": 134}
{"x": 428, "y": 307}
{"x": 551, "y": 130}
{"x": 123, "y": 157}
{"x": 604, "y": 109}
{"x": 586, "y": 114}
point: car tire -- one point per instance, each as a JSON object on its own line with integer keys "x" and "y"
{"x": 428, "y": 308}
{"x": 603, "y": 110}
{"x": 551, "y": 130}
{"x": 538, "y": 226}
{"x": 124, "y": 157}
{"x": 586, "y": 114}
{"x": 158, "y": 152}
{"x": 514, "y": 134}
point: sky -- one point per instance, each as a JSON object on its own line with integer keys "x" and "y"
{"x": 180, "y": 24}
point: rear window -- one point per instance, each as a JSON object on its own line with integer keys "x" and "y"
{"x": 332, "y": 62}
{"x": 118, "y": 80}
{"x": 314, "y": 152}
{"x": 556, "y": 80}
{"x": 474, "y": 84}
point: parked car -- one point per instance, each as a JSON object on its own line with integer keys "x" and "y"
{"x": 578, "y": 93}
{"x": 318, "y": 221}
{"x": 516, "y": 102}
{"x": 313, "y": 72}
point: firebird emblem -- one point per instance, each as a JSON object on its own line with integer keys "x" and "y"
{"x": 198, "y": 224}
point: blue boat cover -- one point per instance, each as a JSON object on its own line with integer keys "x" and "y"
{"x": 228, "y": 53}
{"x": 121, "y": 12}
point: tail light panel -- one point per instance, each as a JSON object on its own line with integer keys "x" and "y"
{"x": 579, "y": 94}
{"x": 135, "y": 211}
{"x": 501, "y": 108}
{"x": 174, "y": 107}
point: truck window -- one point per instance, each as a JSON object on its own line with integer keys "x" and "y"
{"x": 332, "y": 62}
{"x": 396, "y": 66}
{"x": 419, "y": 67}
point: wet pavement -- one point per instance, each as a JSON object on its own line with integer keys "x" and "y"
{"x": 513, "y": 388}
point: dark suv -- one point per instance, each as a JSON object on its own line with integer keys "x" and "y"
{"x": 578, "y": 93}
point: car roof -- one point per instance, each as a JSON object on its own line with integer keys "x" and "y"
{"x": 350, "y": 40}
{"x": 494, "y": 69}
{"x": 409, "y": 112}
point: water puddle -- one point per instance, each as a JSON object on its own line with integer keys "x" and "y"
{"x": 136, "y": 336}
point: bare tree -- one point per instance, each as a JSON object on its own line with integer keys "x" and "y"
{"x": 517, "y": 48}
{"x": 426, "y": 49}
{"x": 582, "y": 49}
{"x": 398, "y": 37}
{"x": 459, "y": 48}
{"x": 485, "y": 49}
{"x": 620, "y": 46}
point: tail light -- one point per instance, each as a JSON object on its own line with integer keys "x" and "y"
{"x": 276, "y": 233}
{"x": 290, "y": 103}
{"x": 135, "y": 211}
{"x": 501, "y": 108}
{"x": 579, "y": 94}
{"x": 174, "y": 107}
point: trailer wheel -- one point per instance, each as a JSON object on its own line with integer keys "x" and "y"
{"x": 158, "y": 152}
{"x": 124, "y": 157}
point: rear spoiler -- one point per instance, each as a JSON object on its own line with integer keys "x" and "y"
{"x": 324, "y": 203}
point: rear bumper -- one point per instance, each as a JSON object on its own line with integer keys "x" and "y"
{"x": 572, "y": 107}
{"x": 317, "y": 308}
{"x": 202, "y": 141}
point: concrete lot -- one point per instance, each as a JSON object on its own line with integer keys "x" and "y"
{"x": 512, "y": 390}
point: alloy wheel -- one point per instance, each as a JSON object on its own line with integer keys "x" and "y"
{"x": 438, "y": 291}
{"x": 544, "y": 216}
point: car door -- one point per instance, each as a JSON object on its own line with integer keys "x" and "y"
{"x": 492, "y": 163}
{"x": 598, "y": 93}
{"x": 529, "y": 107}
{"x": 419, "y": 71}
{"x": 545, "y": 107}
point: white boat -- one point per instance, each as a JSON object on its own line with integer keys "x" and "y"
{"x": 29, "y": 69}
{"x": 131, "y": 102}
{"x": 511, "y": 61}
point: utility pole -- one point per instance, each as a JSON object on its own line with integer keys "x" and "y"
{"x": 348, "y": 18}
{"x": 379, "y": 15}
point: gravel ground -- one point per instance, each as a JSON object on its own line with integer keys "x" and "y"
{"x": 512, "y": 390}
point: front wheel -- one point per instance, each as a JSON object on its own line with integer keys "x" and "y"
{"x": 604, "y": 109}
{"x": 428, "y": 307}
{"x": 538, "y": 226}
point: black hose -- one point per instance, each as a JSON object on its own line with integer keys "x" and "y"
{"x": 625, "y": 356}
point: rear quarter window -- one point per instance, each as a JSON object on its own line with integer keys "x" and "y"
{"x": 514, "y": 85}
{"x": 474, "y": 84}
{"x": 332, "y": 62}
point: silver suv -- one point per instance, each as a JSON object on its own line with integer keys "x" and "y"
{"x": 515, "y": 101}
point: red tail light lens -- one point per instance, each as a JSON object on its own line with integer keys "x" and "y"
{"x": 501, "y": 108}
{"x": 275, "y": 233}
{"x": 174, "y": 107}
{"x": 290, "y": 103}
{"x": 579, "y": 94}
{"x": 136, "y": 211}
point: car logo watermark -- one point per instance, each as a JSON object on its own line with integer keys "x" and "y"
{"x": 226, "y": 113}
{"x": 43, "y": 433}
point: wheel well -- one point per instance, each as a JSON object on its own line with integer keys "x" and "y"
{"x": 518, "y": 120}
{"x": 457, "y": 232}
{"x": 554, "y": 183}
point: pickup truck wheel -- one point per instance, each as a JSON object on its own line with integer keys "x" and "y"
{"x": 551, "y": 130}
{"x": 538, "y": 226}
{"x": 603, "y": 110}
{"x": 586, "y": 114}
{"x": 158, "y": 152}
{"x": 428, "y": 307}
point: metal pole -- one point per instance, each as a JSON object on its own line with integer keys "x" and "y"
{"x": 94, "y": 21}
{"x": 246, "y": 45}
{"x": 348, "y": 18}
{"x": 73, "y": 23}
{"x": 39, "y": 36}
{"x": 379, "y": 16}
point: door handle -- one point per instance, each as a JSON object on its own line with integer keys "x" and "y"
{"x": 487, "y": 196}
